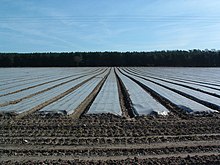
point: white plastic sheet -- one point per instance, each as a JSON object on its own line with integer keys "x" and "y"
{"x": 177, "y": 99}
{"x": 34, "y": 101}
{"x": 143, "y": 103}
{"x": 107, "y": 101}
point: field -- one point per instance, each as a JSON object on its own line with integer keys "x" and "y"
{"x": 132, "y": 115}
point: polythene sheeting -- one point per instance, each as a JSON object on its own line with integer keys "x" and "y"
{"x": 142, "y": 102}
{"x": 107, "y": 101}
{"x": 177, "y": 99}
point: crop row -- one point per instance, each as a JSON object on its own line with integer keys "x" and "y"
{"x": 108, "y": 151}
{"x": 195, "y": 160}
{"x": 94, "y": 141}
{"x": 127, "y": 92}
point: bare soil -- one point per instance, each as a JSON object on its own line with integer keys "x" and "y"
{"x": 109, "y": 139}
{"x": 178, "y": 138}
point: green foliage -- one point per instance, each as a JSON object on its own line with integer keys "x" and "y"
{"x": 179, "y": 58}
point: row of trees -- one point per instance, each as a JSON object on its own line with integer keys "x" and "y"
{"x": 178, "y": 58}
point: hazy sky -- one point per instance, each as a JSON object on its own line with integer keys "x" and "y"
{"x": 108, "y": 25}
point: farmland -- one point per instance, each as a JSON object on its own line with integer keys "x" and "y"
{"x": 111, "y": 115}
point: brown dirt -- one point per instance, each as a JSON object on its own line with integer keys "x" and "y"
{"x": 178, "y": 138}
{"x": 107, "y": 138}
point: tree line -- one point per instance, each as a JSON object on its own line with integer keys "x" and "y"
{"x": 175, "y": 58}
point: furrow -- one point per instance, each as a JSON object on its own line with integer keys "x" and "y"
{"x": 53, "y": 99}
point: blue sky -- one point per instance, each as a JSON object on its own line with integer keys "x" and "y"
{"x": 108, "y": 25}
